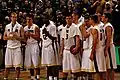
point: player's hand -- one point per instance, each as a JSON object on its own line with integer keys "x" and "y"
{"x": 106, "y": 52}
{"x": 15, "y": 35}
{"x": 27, "y": 34}
{"x": 61, "y": 54}
{"x": 91, "y": 56}
{"x": 10, "y": 36}
{"x": 31, "y": 34}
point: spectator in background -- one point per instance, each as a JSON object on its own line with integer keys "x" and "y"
{"x": 1, "y": 45}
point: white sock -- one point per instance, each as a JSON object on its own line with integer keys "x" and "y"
{"x": 32, "y": 77}
{"x": 16, "y": 78}
{"x": 50, "y": 78}
{"x": 37, "y": 76}
{"x": 5, "y": 78}
{"x": 55, "y": 78}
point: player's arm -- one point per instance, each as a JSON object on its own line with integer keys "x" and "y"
{"x": 36, "y": 36}
{"x": 62, "y": 46}
{"x": 49, "y": 33}
{"x": 21, "y": 37}
{"x": 108, "y": 32}
{"x": 85, "y": 34}
{"x": 77, "y": 42}
{"x": 7, "y": 37}
{"x": 95, "y": 39}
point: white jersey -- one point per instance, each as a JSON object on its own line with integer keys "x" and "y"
{"x": 102, "y": 33}
{"x": 60, "y": 31}
{"x": 31, "y": 40}
{"x": 51, "y": 28}
{"x": 68, "y": 34}
{"x": 87, "y": 43}
{"x": 100, "y": 58}
{"x": 110, "y": 25}
{"x": 99, "y": 37}
{"x": 81, "y": 20}
{"x": 16, "y": 28}
{"x": 78, "y": 27}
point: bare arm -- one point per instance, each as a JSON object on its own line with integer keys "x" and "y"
{"x": 62, "y": 46}
{"x": 108, "y": 31}
{"x": 7, "y": 37}
{"x": 95, "y": 39}
{"x": 85, "y": 34}
{"x": 77, "y": 42}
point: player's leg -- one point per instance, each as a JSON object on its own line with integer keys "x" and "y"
{"x": 37, "y": 72}
{"x": 8, "y": 62}
{"x": 65, "y": 76}
{"x": 17, "y": 61}
{"x": 32, "y": 73}
{"x": 55, "y": 72}
{"x": 17, "y": 73}
{"x": 49, "y": 73}
{"x": 6, "y": 73}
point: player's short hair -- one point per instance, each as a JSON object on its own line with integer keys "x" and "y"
{"x": 30, "y": 16}
{"x": 108, "y": 15}
{"x": 13, "y": 13}
{"x": 68, "y": 14}
{"x": 94, "y": 18}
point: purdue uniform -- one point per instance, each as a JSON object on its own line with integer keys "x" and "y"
{"x": 100, "y": 58}
{"x": 49, "y": 51}
{"x": 13, "y": 57}
{"x": 50, "y": 57}
{"x": 87, "y": 48}
{"x": 71, "y": 63}
{"x": 32, "y": 49}
{"x": 112, "y": 49}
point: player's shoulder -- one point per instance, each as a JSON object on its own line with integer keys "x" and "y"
{"x": 8, "y": 25}
{"x": 18, "y": 24}
{"x": 74, "y": 25}
{"x": 108, "y": 24}
{"x": 35, "y": 25}
{"x": 25, "y": 27}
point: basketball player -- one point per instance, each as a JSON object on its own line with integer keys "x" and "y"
{"x": 32, "y": 35}
{"x": 70, "y": 36}
{"x": 14, "y": 33}
{"x": 87, "y": 48}
{"x": 49, "y": 48}
{"x": 97, "y": 53}
{"x": 109, "y": 48}
{"x": 75, "y": 17}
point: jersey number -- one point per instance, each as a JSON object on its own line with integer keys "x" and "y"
{"x": 101, "y": 34}
{"x": 44, "y": 36}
